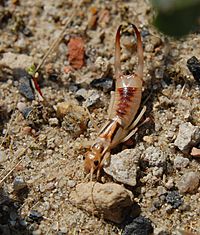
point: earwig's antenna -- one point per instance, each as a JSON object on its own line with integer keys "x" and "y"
{"x": 139, "y": 51}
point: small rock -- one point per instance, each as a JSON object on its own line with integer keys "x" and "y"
{"x": 110, "y": 200}
{"x": 3, "y": 157}
{"x": 106, "y": 84}
{"x": 193, "y": 65}
{"x": 170, "y": 183}
{"x": 195, "y": 152}
{"x": 169, "y": 209}
{"x": 161, "y": 190}
{"x": 24, "y": 109}
{"x": 92, "y": 99}
{"x": 35, "y": 216}
{"x": 25, "y": 87}
{"x": 19, "y": 183}
{"x": 174, "y": 199}
{"x": 76, "y": 52}
{"x": 16, "y": 60}
{"x": 154, "y": 156}
{"x": 71, "y": 183}
{"x": 123, "y": 166}
{"x": 53, "y": 121}
{"x": 180, "y": 162}
{"x": 188, "y": 136}
{"x": 188, "y": 183}
{"x": 82, "y": 93}
{"x": 36, "y": 232}
{"x": 74, "y": 117}
{"x": 139, "y": 226}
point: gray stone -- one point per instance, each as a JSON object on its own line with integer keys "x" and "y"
{"x": 16, "y": 60}
{"x": 188, "y": 136}
{"x": 154, "y": 156}
{"x": 180, "y": 162}
{"x": 123, "y": 166}
{"x": 92, "y": 99}
{"x": 110, "y": 201}
{"x": 188, "y": 183}
{"x": 19, "y": 183}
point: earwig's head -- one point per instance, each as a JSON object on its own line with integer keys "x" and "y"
{"x": 91, "y": 162}
{"x": 93, "y": 158}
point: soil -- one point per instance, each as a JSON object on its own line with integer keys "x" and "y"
{"x": 48, "y": 156}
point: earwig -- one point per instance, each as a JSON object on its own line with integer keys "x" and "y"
{"x": 124, "y": 106}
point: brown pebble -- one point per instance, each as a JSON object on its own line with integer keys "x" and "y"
{"x": 76, "y": 52}
{"x": 195, "y": 152}
{"x": 188, "y": 183}
{"x": 110, "y": 201}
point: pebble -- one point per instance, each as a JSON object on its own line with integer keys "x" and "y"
{"x": 76, "y": 52}
{"x": 92, "y": 99}
{"x": 195, "y": 152}
{"x": 188, "y": 136}
{"x": 139, "y": 226}
{"x": 35, "y": 216}
{"x": 36, "y": 232}
{"x": 82, "y": 93}
{"x": 25, "y": 87}
{"x": 110, "y": 201}
{"x": 123, "y": 166}
{"x": 188, "y": 183}
{"x": 154, "y": 156}
{"x": 24, "y": 109}
{"x": 53, "y": 121}
{"x": 161, "y": 190}
{"x": 13, "y": 60}
{"x": 19, "y": 183}
{"x": 180, "y": 162}
{"x": 174, "y": 199}
{"x": 74, "y": 117}
{"x": 106, "y": 84}
{"x": 3, "y": 157}
{"x": 71, "y": 183}
{"x": 193, "y": 65}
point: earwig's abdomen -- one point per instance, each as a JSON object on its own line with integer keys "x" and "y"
{"x": 127, "y": 101}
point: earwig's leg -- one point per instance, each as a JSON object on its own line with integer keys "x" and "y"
{"x": 92, "y": 120}
{"x": 106, "y": 159}
{"x": 138, "y": 118}
{"x": 112, "y": 99}
{"x": 129, "y": 135}
{"x": 134, "y": 130}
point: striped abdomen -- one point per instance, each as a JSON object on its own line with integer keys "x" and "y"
{"x": 127, "y": 103}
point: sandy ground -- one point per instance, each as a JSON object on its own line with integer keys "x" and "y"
{"x": 49, "y": 158}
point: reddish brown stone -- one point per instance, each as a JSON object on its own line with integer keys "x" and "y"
{"x": 76, "y": 52}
